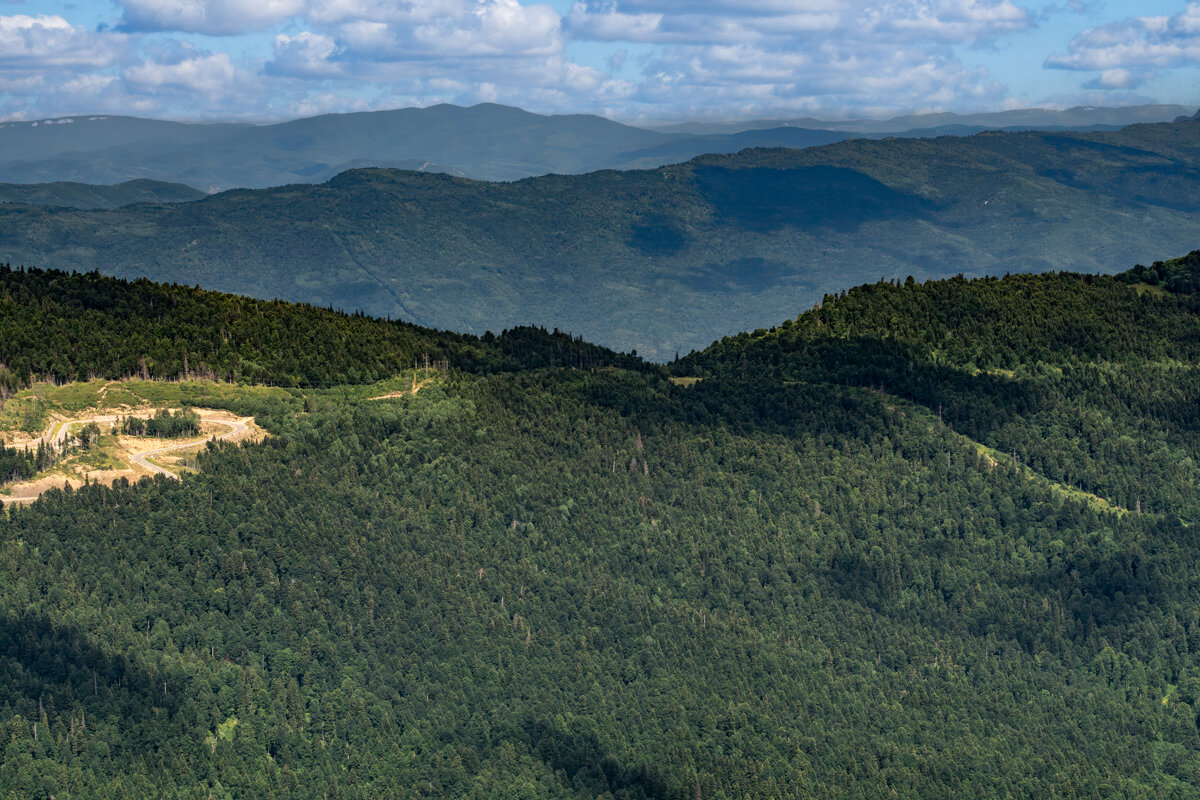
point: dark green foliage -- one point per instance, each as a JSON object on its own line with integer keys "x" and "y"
{"x": 16, "y": 465}
{"x": 82, "y": 195}
{"x": 1081, "y": 378}
{"x": 163, "y": 424}
{"x": 799, "y": 577}
{"x": 64, "y": 326}
{"x": 1179, "y": 275}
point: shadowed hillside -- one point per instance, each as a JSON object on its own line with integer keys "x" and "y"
{"x": 663, "y": 260}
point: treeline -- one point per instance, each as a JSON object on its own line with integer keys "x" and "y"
{"x": 1065, "y": 374}
{"x": 979, "y": 324}
{"x": 69, "y": 326}
{"x": 164, "y": 424}
{"x": 19, "y": 464}
{"x": 1178, "y": 275}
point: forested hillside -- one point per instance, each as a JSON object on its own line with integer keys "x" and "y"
{"x": 82, "y": 195}
{"x": 928, "y": 540}
{"x": 663, "y": 260}
{"x": 59, "y": 326}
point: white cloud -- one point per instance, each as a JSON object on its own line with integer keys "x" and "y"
{"x": 207, "y": 74}
{"x": 1135, "y": 46}
{"x": 1118, "y": 79}
{"x": 51, "y": 42}
{"x": 216, "y": 17}
{"x": 670, "y": 22}
{"x": 947, "y": 20}
{"x": 613, "y": 26}
{"x": 306, "y": 54}
{"x": 637, "y": 58}
{"x": 750, "y": 78}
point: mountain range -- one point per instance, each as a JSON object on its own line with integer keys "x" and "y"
{"x": 485, "y": 142}
{"x": 659, "y": 261}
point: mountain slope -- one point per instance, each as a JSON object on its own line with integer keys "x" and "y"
{"x": 485, "y": 142}
{"x": 91, "y": 196}
{"x": 488, "y": 142}
{"x": 1077, "y": 118}
{"x": 56, "y": 326}
{"x": 662, "y": 260}
{"x": 793, "y": 579}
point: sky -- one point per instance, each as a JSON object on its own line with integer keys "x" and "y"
{"x": 631, "y": 60}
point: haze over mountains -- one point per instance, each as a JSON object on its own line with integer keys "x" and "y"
{"x": 487, "y": 142}
{"x": 664, "y": 260}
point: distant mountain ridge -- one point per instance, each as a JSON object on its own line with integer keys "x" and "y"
{"x": 485, "y": 142}
{"x": 1025, "y": 119}
{"x": 659, "y": 260}
{"x": 90, "y": 196}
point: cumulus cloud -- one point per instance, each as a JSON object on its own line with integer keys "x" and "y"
{"x": 306, "y": 54}
{"x": 51, "y": 42}
{"x": 215, "y": 17}
{"x": 1118, "y": 79}
{"x": 668, "y": 22}
{"x": 804, "y": 55}
{"x": 641, "y": 58}
{"x": 1129, "y": 51}
{"x": 948, "y": 20}
{"x": 205, "y": 74}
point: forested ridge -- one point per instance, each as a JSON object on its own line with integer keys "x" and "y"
{"x": 928, "y": 540}
{"x": 61, "y": 326}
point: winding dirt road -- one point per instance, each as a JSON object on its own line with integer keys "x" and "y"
{"x": 236, "y": 427}
{"x": 59, "y": 430}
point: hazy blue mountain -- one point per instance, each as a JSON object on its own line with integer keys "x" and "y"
{"x": 486, "y": 142}
{"x": 85, "y": 195}
{"x": 1080, "y": 117}
{"x": 75, "y": 136}
{"x": 659, "y": 260}
{"x": 678, "y": 150}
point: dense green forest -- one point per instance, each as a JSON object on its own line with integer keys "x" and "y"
{"x": 927, "y": 540}
{"x": 60, "y": 326}
{"x": 657, "y": 260}
{"x": 163, "y": 423}
{"x": 71, "y": 194}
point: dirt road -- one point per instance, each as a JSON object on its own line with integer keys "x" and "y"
{"x": 60, "y": 429}
{"x": 236, "y": 427}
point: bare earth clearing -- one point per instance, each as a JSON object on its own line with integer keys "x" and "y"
{"x": 416, "y": 387}
{"x": 134, "y": 456}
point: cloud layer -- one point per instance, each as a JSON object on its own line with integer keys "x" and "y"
{"x": 1130, "y": 51}
{"x": 630, "y": 58}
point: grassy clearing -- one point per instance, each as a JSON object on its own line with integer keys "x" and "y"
{"x": 993, "y": 458}
{"x": 685, "y": 381}
{"x": 30, "y": 409}
{"x": 1145, "y": 288}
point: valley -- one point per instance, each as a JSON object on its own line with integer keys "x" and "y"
{"x": 658, "y": 261}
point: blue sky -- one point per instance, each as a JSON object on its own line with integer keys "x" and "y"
{"x": 633, "y": 60}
